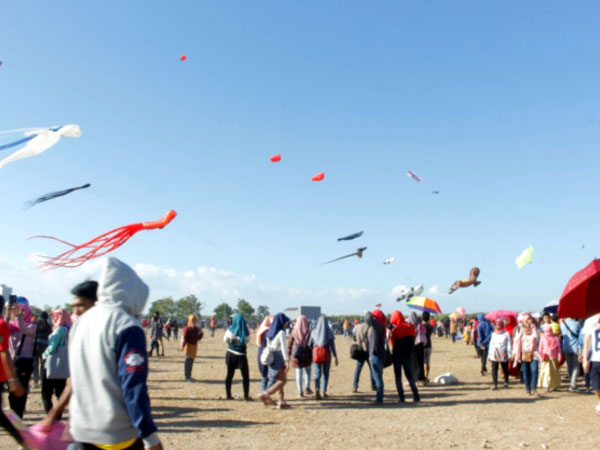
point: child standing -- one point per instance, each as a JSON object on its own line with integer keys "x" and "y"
{"x": 499, "y": 352}
{"x": 550, "y": 353}
{"x": 591, "y": 354}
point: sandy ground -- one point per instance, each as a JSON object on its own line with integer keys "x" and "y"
{"x": 469, "y": 415}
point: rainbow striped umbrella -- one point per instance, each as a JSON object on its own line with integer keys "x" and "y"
{"x": 424, "y": 304}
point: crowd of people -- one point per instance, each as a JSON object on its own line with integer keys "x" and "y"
{"x": 96, "y": 358}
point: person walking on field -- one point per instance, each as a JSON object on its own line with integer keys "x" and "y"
{"x": 212, "y": 325}
{"x": 8, "y": 376}
{"x": 61, "y": 324}
{"x": 301, "y": 354}
{"x": 192, "y": 334}
{"x": 484, "y": 335}
{"x": 236, "y": 338}
{"x": 108, "y": 365}
{"x": 500, "y": 351}
{"x": 361, "y": 332}
{"x": 550, "y": 353}
{"x": 402, "y": 340}
{"x": 526, "y": 352}
{"x": 279, "y": 366}
{"x": 418, "y": 354}
{"x": 261, "y": 342}
{"x": 377, "y": 350}
{"x": 570, "y": 330}
{"x": 322, "y": 341}
{"x": 42, "y": 332}
{"x": 428, "y": 349}
{"x": 591, "y": 354}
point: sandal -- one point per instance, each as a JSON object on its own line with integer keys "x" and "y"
{"x": 282, "y": 405}
{"x": 264, "y": 397}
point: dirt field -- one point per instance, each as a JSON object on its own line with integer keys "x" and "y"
{"x": 194, "y": 415}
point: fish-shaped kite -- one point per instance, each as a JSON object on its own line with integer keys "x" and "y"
{"x": 524, "y": 257}
{"x": 350, "y": 236}
{"x": 471, "y": 281}
{"x": 414, "y": 176}
{"x": 38, "y": 141}
{"x": 52, "y": 195}
{"x": 409, "y": 292}
{"x": 389, "y": 260}
{"x": 100, "y": 245}
{"x": 358, "y": 252}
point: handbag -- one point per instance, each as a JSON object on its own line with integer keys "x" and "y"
{"x": 526, "y": 357}
{"x": 57, "y": 364}
{"x": 266, "y": 357}
{"x": 388, "y": 360}
{"x": 358, "y": 354}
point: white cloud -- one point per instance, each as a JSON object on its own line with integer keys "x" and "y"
{"x": 209, "y": 284}
{"x": 435, "y": 291}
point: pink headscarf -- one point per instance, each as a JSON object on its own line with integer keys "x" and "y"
{"x": 264, "y": 327}
{"x": 300, "y": 332}
{"x": 27, "y": 316}
{"x": 60, "y": 317}
{"x": 549, "y": 343}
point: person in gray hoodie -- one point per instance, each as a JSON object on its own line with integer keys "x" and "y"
{"x": 109, "y": 366}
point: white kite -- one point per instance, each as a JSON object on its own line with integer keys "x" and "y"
{"x": 409, "y": 292}
{"x": 389, "y": 260}
{"x": 38, "y": 141}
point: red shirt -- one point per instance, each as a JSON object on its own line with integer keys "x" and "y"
{"x": 4, "y": 342}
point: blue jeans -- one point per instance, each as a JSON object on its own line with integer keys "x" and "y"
{"x": 530, "y": 374}
{"x": 322, "y": 369}
{"x": 299, "y": 371}
{"x": 359, "y": 366}
{"x": 406, "y": 363}
{"x": 377, "y": 371}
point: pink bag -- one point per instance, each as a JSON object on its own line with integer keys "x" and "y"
{"x": 39, "y": 437}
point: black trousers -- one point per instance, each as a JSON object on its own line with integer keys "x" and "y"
{"x": 237, "y": 362}
{"x": 50, "y": 387}
{"x": 6, "y": 424}
{"x": 495, "y": 365}
{"x": 483, "y": 354}
{"x": 418, "y": 362}
{"x": 24, "y": 369}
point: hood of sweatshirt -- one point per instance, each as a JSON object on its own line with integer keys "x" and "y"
{"x": 121, "y": 287}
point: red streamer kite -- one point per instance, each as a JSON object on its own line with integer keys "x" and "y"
{"x": 275, "y": 158}
{"x": 100, "y": 245}
{"x": 319, "y": 176}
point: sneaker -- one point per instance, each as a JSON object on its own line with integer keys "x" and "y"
{"x": 355, "y": 390}
{"x": 282, "y": 405}
{"x": 505, "y": 385}
{"x": 300, "y": 395}
{"x": 573, "y": 389}
{"x": 325, "y": 395}
{"x": 307, "y": 391}
{"x": 588, "y": 392}
{"x": 317, "y": 395}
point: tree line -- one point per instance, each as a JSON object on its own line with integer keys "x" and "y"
{"x": 188, "y": 305}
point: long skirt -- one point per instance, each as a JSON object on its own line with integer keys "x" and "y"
{"x": 549, "y": 377}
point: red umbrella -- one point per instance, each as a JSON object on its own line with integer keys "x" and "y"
{"x": 581, "y": 297}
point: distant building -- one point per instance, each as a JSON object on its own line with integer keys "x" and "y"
{"x": 5, "y": 291}
{"x": 310, "y": 312}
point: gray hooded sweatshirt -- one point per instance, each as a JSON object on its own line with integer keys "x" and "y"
{"x": 109, "y": 365}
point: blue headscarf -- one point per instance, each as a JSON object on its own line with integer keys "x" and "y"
{"x": 278, "y": 324}
{"x": 239, "y": 327}
{"x": 322, "y": 334}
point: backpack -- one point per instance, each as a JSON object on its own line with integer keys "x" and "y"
{"x": 266, "y": 357}
{"x": 321, "y": 354}
{"x": 302, "y": 353}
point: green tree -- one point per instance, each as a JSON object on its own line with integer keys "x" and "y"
{"x": 262, "y": 312}
{"x": 189, "y": 305}
{"x": 244, "y": 308}
{"x": 223, "y": 311}
{"x": 165, "y": 306}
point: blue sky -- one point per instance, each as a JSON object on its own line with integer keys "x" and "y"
{"x": 494, "y": 104}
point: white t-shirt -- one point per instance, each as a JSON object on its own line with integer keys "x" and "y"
{"x": 590, "y": 328}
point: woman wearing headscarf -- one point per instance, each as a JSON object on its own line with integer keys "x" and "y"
{"x": 277, "y": 370}
{"x": 42, "y": 332}
{"x": 526, "y": 352}
{"x": 429, "y": 325}
{"x": 261, "y": 342}
{"x": 322, "y": 341}
{"x": 61, "y": 323}
{"x": 301, "y": 354}
{"x": 418, "y": 354}
{"x": 377, "y": 350}
{"x": 402, "y": 340}
{"x": 236, "y": 338}
{"x": 192, "y": 334}
{"x": 499, "y": 352}
{"x": 22, "y": 344}
{"x": 550, "y": 353}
